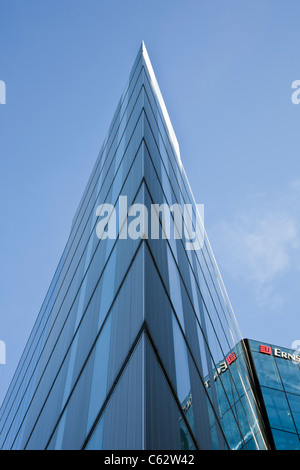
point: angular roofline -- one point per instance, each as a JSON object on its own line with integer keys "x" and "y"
{"x": 161, "y": 102}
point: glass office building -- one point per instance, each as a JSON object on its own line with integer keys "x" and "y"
{"x": 276, "y": 373}
{"x": 135, "y": 345}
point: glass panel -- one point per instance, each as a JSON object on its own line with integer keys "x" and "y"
{"x": 181, "y": 363}
{"x": 267, "y": 371}
{"x": 186, "y": 441}
{"x": 231, "y": 430}
{"x": 96, "y": 440}
{"x": 294, "y": 402}
{"x": 290, "y": 375}
{"x": 285, "y": 440}
{"x": 100, "y": 373}
{"x": 278, "y": 409}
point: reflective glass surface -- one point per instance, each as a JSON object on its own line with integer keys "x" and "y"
{"x": 278, "y": 375}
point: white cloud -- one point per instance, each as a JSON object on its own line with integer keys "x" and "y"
{"x": 295, "y": 186}
{"x": 262, "y": 245}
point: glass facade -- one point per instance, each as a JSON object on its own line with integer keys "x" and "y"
{"x": 277, "y": 381}
{"x": 135, "y": 345}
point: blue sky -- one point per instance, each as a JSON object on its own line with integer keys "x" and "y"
{"x": 225, "y": 70}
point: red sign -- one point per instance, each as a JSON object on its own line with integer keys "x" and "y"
{"x": 265, "y": 349}
{"x": 231, "y": 358}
